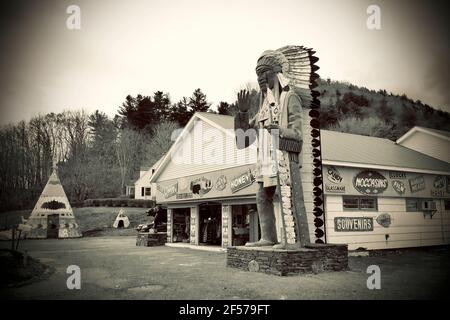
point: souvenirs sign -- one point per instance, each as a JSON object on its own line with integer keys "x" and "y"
{"x": 370, "y": 182}
{"x": 345, "y": 224}
{"x": 242, "y": 181}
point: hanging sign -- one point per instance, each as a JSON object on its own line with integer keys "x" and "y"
{"x": 242, "y": 181}
{"x": 370, "y": 182}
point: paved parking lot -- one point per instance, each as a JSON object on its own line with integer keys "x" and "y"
{"x": 114, "y": 268}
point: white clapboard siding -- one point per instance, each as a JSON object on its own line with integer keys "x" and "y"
{"x": 211, "y": 149}
{"x": 428, "y": 144}
{"x": 407, "y": 229}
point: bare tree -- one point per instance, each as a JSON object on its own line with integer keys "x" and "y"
{"x": 128, "y": 146}
{"x": 160, "y": 141}
{"x": 371, "y": 126}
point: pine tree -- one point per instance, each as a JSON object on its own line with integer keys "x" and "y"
{"x": 223, "y": 108}
{"x": 180, "y": 113}
{"x": 198, "y": 102}
{"x": 385, "y": 112}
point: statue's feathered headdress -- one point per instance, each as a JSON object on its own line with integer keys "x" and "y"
{"x": 298, "y": 69}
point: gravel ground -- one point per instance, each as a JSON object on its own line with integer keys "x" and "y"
{"x": 114, "y": 268}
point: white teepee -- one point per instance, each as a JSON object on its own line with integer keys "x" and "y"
{"x": 121, "y": 221}
{"x": 52, "y": 216}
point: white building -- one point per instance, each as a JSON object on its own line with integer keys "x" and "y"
{"x": 377, "y": 194}
{"x": 142, "y": 186}
{"x": 432, "y": 142}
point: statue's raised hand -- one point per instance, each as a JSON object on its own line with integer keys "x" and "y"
{"x": 243, "y": 100}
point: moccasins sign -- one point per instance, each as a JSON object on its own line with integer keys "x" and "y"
{"x": 370, "y": 182}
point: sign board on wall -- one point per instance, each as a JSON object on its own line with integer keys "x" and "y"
{"x": 370, "y": 182}
{"x": 384, "y": 220}
{"x": 399, "y": 187}
{"x": 358, "y": 181}
{"x": 417, "y": 184}
{"x": 243, "y": 180}
{"x": 222, "y": 183}
{"x": 334, "y": 182}
{"x": 346, "y": 224}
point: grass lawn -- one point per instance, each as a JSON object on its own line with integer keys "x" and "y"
{"x": 93, "y": 221}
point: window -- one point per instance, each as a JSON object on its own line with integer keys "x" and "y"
{"x": 360, "y": 203}
{"x": 419, "y": 205}
{"x": 415, "y": 205}
{"x": 367, "y": 203}
{"x": 147, "y": 191}
{"x": 350, "y": 203}
{"x": 447, "y": 205}
{"x": 142, "y": 191}
{"x": 412, "y": 205}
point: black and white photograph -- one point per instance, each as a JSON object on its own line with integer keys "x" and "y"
{"x": 244, "y": 153}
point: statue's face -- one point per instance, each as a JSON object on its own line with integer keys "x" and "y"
{"x": 266, "y": 78}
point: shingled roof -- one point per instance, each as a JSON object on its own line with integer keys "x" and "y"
{"x": 364, "y": 150}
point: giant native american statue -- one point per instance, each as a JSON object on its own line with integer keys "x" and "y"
{"x": 286, "y": 78}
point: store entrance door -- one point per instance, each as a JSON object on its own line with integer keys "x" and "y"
{"x": 245, "y": 224}
{"x": 210, "y": 215}
{"x": 181, "y": 225}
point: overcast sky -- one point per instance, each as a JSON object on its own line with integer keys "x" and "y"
{"x": 131, "y": 47}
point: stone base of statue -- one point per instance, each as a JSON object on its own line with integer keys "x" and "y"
{"x": 147, "y": 239}
{"x": 313, "y": 258}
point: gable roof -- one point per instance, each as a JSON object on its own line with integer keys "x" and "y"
{"x": 434, "y": 132}
{"x": 363, "y": 151}
{"x": 149, "y": 169}
{"x": 222, "y": 122}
